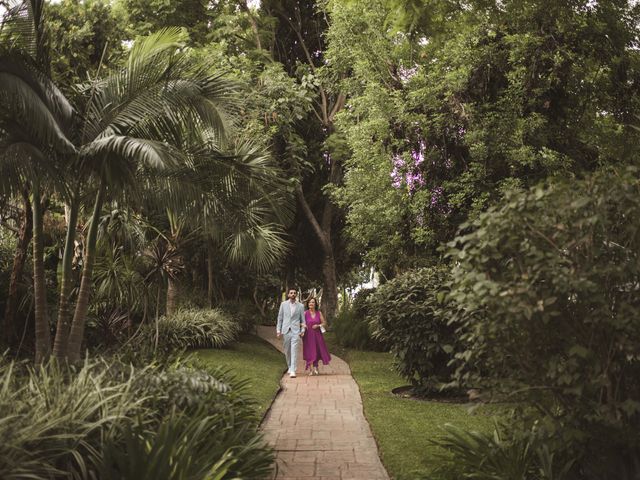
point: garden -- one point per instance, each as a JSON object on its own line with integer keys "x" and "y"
{"x": 457, "y": 183}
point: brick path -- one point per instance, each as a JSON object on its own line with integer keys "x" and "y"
{"x": 317, "y": 426}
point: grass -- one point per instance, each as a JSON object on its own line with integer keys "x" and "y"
{"x": 253, "y": 359}
{"x": 403, "y": 427}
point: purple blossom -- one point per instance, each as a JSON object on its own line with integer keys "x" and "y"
{"x": 409, "y": 173}
{"x": 406, "y": 74}
{"x": 437, "y": 203}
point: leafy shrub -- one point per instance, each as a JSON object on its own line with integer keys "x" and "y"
{"x": 410, "y": 314}
{"x": 188, "y": 328}
{"x": 502, "y": 456}
{"x": 352, "y": 325}
{"x": 549, "y": 285}
{"x": 244, "y": 312}
{"x": 113, "y": 421}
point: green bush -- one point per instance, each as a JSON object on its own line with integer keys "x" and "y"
{"x": 549, "y": 284}
{"x": 188, "y": 328}
{"x": 410, "y": 313}
{"x": 108, "y": 420}
{"x": 244, "y": 312}
{"x": 352, "y": 325}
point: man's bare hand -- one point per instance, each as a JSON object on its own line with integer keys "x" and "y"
{"x": 278, "y": 334}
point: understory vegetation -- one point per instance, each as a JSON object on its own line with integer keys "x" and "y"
{"x": 456, "y": 183}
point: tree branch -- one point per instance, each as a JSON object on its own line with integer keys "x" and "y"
{"x": 324, "y": 241}
{"x": 325, "y": 117}
{"x": 340, "y": 101}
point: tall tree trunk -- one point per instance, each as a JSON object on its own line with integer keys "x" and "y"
{"x": 172, "y": 295}
{"x": 43, "y": 333}
{"x": 76, "y": 334}
{"x": 64, "y": 304}
{"x": 210, "y": 282}
{"x": 19, "y": 258}
{"x": 330, "y": 292}
{"x": 323, "y": 233}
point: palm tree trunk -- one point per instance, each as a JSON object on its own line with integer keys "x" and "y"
{"x": 43, "y": 333}
{"x": 172, "y": 295}
{"x": 64, "y": 305}
{"x": 155, "y": 343}
{"x": 210, "y": 283}
{"x": 19, "y": 258}
{"x": 76, "y": 334}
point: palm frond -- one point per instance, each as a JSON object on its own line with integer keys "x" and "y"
{"x": 260, "y": 246}
{"x": 25, "y": 113}
{"x": 22, "y": 28}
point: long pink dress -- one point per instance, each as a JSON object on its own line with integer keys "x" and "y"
{"x": 313, "y": 347}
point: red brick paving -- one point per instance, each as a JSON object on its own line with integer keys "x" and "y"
{"x": 317, "y": 427}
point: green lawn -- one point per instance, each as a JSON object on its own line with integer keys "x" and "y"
{"x": 253, "y": 359}
{"x": 403, "y": 427}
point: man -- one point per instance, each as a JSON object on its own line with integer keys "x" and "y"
{"x": 291, "y": 325}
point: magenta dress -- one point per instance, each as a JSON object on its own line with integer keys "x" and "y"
{"x": 313, "y": 347}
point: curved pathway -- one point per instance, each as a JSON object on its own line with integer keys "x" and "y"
{"x": 317, "y": 427}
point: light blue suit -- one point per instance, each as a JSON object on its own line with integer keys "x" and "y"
{"x": 290, "y": 325}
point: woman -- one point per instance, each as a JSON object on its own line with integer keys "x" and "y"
{"x": 313, "y": 347}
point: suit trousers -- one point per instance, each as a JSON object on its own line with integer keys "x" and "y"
{"x": 290, "y": 344}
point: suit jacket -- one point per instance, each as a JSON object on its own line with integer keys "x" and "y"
{"x": 287, "y": 321}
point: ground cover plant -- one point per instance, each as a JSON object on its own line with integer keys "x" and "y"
{"x": 86, "y": 423}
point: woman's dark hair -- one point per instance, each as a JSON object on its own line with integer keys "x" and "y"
{"x": 315, "y": 300}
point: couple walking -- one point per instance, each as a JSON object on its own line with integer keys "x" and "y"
{"x": 294, "y": 323}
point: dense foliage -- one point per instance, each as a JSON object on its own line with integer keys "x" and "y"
{"x": 462, "y": 101}
{"x": 410, "y": 314}
{"x": 115, "y": 421}
{"x": 188, "y": 328}
{"x": 352, "y": 325}
{"x": 550, "y": 313}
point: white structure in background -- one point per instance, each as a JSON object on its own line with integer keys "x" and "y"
{"x": 372, "y": 282}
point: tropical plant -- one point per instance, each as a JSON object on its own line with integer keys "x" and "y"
{"x": 411, "y": 314}
{"x": 353, "y": 324}
{"x": 35, "y": 120}
{"x": 188, "y": 328}
{"x": 500, "y": 456}
{"x": 87, "y": 423}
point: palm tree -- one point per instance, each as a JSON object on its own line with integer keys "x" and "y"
{"x": 35, "y": 119}
{"x": 161, "y": 111}
{"x": 135, "y": 118}
{"x": 236, "y": 200}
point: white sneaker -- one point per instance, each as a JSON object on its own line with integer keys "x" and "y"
{"x": 292, "y": 375}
